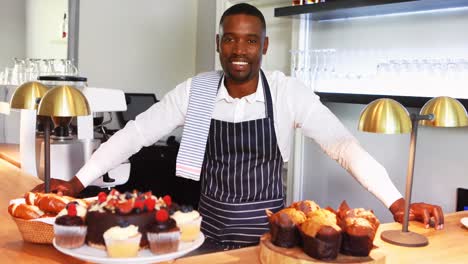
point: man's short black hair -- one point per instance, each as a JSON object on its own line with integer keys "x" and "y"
{"x": 244, "y": 9}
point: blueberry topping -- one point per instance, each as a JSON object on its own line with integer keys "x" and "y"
{"x": 171, "y": 210}
{"x": 186, "y": 208}
{"x": 123, "y": 223}
{"x": 128, "y": 195}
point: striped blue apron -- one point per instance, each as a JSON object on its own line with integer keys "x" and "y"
{"x": 241, "y": 177}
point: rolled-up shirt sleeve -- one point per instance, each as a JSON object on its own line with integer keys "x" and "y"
{"x": 148, "y": 127}
{"x": 321, "y": 125}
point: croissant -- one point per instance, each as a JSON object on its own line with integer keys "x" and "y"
{"x": 52, "y": 203}
{"x": 32, "y": 198}
{"x": 25, "y": 211}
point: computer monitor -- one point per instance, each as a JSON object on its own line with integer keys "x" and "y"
{"x": 462, "y": 199}
{"x": 136, "y": 104}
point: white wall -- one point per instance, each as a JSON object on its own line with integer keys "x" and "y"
{"x": 12, "y": 28}
{"x": 440, "y": 164}
{"x": 138, "y": 46}
{"x": 206, "y": 18}
{"x": 44, "y": 29}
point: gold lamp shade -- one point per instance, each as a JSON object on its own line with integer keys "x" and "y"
{"x": 26, "y": 95}
{"x": 385, "y": 116}
{"x": 448, "y": 112}
{"x": 64, "y": 101}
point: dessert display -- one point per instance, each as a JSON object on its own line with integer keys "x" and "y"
{"x": 121, "y": 224}
{"x": 69, "y": 226}
{"x": 122, "y": 241}
{"x": 116, "y": 208}
{"x": 306, "y": 233}
{"x": 359, "y": 228}
{"x": 163, "y": 235}
{"x": 283, "y": 227}
{"x": 189, "y": 222}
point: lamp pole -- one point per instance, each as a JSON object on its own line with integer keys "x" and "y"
{"x": 405, "y": 237}
{"x": 47, "y": 153}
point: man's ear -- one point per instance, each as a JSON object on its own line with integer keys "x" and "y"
{"x": 217, "y": 43}
{"x": 265, "y": 45}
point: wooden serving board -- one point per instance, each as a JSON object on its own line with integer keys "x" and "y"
{"x": 271, "y": 254}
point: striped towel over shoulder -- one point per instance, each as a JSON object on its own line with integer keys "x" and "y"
{"x": 202, "y": 98}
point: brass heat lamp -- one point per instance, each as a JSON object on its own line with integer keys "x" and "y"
{"x": 390, "y": 117}
{"x": 26, "y": 96}
{"x": 61, "y": 103}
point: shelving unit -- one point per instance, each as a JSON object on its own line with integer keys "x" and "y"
{"x": 342, "y": 9}
{"x": 409, "y": 101}
{"x": 357, "y": 8}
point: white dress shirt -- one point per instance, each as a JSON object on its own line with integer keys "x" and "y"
{"x": 294, "y": 105}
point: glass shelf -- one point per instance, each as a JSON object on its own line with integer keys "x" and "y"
{"x": 340, "y": 9}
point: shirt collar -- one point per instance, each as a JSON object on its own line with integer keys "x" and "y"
{"x": 258, "y": 96}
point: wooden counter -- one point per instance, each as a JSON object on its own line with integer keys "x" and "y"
{"x": 449, "y": 245}
{"x": 10, "y": 153}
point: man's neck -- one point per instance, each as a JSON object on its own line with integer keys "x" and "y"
{"x": 239, "y": 90}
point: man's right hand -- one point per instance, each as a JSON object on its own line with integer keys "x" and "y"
{"x": 69, "y": 188}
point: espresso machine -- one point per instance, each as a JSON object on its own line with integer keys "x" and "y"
{"x": 73, "y": 139}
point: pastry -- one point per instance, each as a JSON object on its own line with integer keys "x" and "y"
{"x": 122, "y": 241}
{"x": 25, "y": 211}
{"x": 283, "y": 227}
{"x": 69, "y": 226}
{"x": 321, "y": 235}
{"x": 189, "y": 222}
{"x": 359, "y": 229}
{"x": 163, "y": 234}
{"x": 116, "y": 208}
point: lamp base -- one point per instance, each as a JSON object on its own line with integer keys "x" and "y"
{"x": 405, "y": 239}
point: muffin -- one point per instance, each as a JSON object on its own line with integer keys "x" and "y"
{"x": 321, "y": 235}
{"x": 359, "y": 229}
{"x": 122, "y": 241}
{"x": 305, "y": 206}
{"x": 69, "y": 226}
{"x": 163, "y": 235}
{"x": 283, "y": 227}
{"x": 189, "y": 222}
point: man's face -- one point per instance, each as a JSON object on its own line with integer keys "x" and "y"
{"x": 241, "y": 43}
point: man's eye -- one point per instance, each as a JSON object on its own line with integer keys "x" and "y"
{"x": 228, "y": 39}
{"x": 252, "y": 41}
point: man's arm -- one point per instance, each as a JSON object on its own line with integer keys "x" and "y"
{"x": 320, "y": 124}
{"x": 159, "y": 120}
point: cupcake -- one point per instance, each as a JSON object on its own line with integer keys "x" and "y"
{"x": 321, "y": 235}
{"x": 122, "y": 241}
{"x": 359, "y": 228}
{"x": 283, "y": 227}
{"x": 306, "y": 206}
{"x": 189, "y": 222}
{"x": 163, "y": 235}
{"x": 69, "y": 226}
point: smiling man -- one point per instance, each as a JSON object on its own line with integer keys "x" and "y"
{"x": 238, "y": 125}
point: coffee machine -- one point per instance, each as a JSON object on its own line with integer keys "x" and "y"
{"x": 71, "y": 148}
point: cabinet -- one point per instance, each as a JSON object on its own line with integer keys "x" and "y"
{"x": 415, "y": 32}
{"x": 339, "y": 9}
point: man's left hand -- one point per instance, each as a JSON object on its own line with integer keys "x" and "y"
{"x": 426, "y": 213}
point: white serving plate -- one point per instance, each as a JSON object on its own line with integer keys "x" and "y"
{"x": 91, "y": 254}
{"x": 464, "y": 221}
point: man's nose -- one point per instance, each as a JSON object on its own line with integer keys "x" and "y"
{"x": 240, "y": 47}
